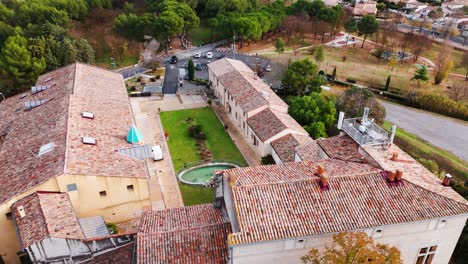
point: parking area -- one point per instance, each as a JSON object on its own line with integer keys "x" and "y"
{"x": 173, "y": 80}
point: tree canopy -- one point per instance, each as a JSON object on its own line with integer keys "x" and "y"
{"x": 353, "y": 101}
{"x": 354, "y": 247}
{"x": 367, "y": 25}
{"x": 301, "y": 78}
{"x": 315, "y": 112}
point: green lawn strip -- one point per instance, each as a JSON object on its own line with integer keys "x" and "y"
{"x": 183, "y": 150}
{"x": 419, "y": 148}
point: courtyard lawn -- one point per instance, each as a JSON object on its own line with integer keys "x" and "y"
{"x": 183, "y": 150}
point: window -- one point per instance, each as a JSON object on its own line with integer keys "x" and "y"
{"x": 71, "y": 187}
{"x": 46, "y": 148}
{"x": 89, "y": 141}
{"x": 426, "y": 255}
{"x": 87, "y": 115}
{"x": 103, "y": 194}
{"x": 130, "y": 188}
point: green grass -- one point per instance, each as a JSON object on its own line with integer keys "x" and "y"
{"x": 419, "y": 148}
{"x": 183, "y": 150}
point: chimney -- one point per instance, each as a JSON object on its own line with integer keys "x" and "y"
{"x": 323, "y": 176}
{"x": 446, "y": 181}
{"x": 394, "y": 156}
{"x": 398, "y": 175}
{"x": 391, "y": 176}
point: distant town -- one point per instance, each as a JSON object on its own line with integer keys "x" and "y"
{"x": 236, "y": 131}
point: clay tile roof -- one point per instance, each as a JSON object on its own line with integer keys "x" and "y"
{"x": 302, "y": 208}
{"x": 412, "y": 170}
{"x": 193, "y": 234}
{"x": 121, "y": 255}
{"x": 295, "y": 171}
{"x": 47, "y": 215}
{"x": 249, "y": 91}
{"x": 341, "y": 147}
{"x": 72, "y": 90}
{"x": 311, "y": 152}
{"x": 269, "y": 122}
{"x": 285, "y": 146}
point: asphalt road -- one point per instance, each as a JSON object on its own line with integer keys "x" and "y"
{"x": 447, "y": 133}
{"x": 132, "y": 71}
{"x": 171, "y": 79}
{"x": 457, "y": 39}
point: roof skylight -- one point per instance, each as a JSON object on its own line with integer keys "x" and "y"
{"x": 46, "y": 148}
{"x": 87, "y": 115}
{"x": 89, "y": 141}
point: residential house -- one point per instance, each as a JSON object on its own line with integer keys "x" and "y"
{"x": 64, "y": 135}
{"x": 365, "y": 8}
{"x": 50, "y": 232}
{"x": 251, "y": 105}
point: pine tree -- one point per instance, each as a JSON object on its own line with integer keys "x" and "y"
{"x": 421, "y": 74}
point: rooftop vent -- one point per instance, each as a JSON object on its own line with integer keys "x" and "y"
{"x": 447, "y": 179}
{"x": 265, "y": 94}
{"x": 38, "y": 89}
{"x": 87, "y": 115}
{"x": 46, "y": 148}
{"x": 47, "y": 79}
{"x": 23, "y": 96}
{"x": 33, "y": 104}
{"x": 89, "y": 141}
{"x": 21, "y": 211}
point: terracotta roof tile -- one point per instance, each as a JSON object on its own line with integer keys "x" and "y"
{"x": 46, "y": 215}
{"x": 295, "y": 171}
{"x": 269, "y": 122}
{"x": 311, "y": 152}
{"x": 285, "y": 146}
{"x": 412, "y": 170}
{"x": 193, "y": 234}
{"x": 73, "y": 89}
{"x": 303, "y": 208}
{"x": 341, "y": 147}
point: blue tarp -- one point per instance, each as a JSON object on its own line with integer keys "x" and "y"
{"x": 134, "y": 136}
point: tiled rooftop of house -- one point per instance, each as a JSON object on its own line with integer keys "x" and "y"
{"x": 285, "y": 146}
{"x": 121, "y": 255}
{"x": 295, "y": 171}
{"x": 301, "y": 208}
{"x": 341, "y": 147}
{"x": 311, "y": 152}
{"x": 269, "y": 122}
{"x": 249, "y": 91}
{"x": 413, "y": 171}
{"x": 46, "y": 215}
{"x": 193, "y": 234}
{"x": 71, "y": 90}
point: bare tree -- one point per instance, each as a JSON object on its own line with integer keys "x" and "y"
{"x": 459, "y": 91}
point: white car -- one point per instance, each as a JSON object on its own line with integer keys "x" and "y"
{"x": 157, "y": 152}
{"x": 268, "y": 68}
{"x": 209, "y": 55}
{"x": 197, "y": 55}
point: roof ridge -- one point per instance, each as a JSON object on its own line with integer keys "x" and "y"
{"x": 184, "y": 229}
{"x": 438, "y": 194}
{"x": 65, "y": 160}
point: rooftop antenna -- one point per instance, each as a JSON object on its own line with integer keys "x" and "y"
{"x": 366, "y": 113}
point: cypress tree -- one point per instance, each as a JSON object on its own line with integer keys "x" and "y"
{"x": 387, "y": 84}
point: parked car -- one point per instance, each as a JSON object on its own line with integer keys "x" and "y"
{"x": 268, "y": 68}
{"x": 173, "y": 59}
{"x": 157, "y": 153}
{"x": 198, "y": 67}
{"x": 261, "y": 73}
{"x": 197, "y": 55}
{"x": 209, "y": 55}
{"x": 220, "y": 56}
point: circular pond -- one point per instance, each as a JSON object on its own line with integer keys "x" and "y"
{"x": 201, "y": 174}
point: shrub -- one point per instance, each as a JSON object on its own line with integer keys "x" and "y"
{"x": 441, "y": 104}
{"x": 350, "y": 80}
{"x": 200, "y": 136}
{"x": 194, "y": 129}
{"x": 113, "y": 229}
{"x": 430, "y": 165}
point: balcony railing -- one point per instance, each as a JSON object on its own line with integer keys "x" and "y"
{"x": 364, "y": 132}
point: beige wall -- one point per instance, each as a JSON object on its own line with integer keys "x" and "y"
{"x": 118, "y": 205}
{"x": 409, "y": 238}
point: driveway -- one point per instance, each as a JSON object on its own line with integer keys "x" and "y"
{"x": 444, "y": 132}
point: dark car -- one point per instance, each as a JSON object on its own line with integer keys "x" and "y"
{"x": 173, "y": 60}
{"x": 198, "y": 67}
{"x": 261, "y": 73}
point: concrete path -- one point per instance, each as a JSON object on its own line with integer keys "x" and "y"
{"x": 444, "y": 132}
{"x": 252, "y": 158}
{"x": 163, "y": 184}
